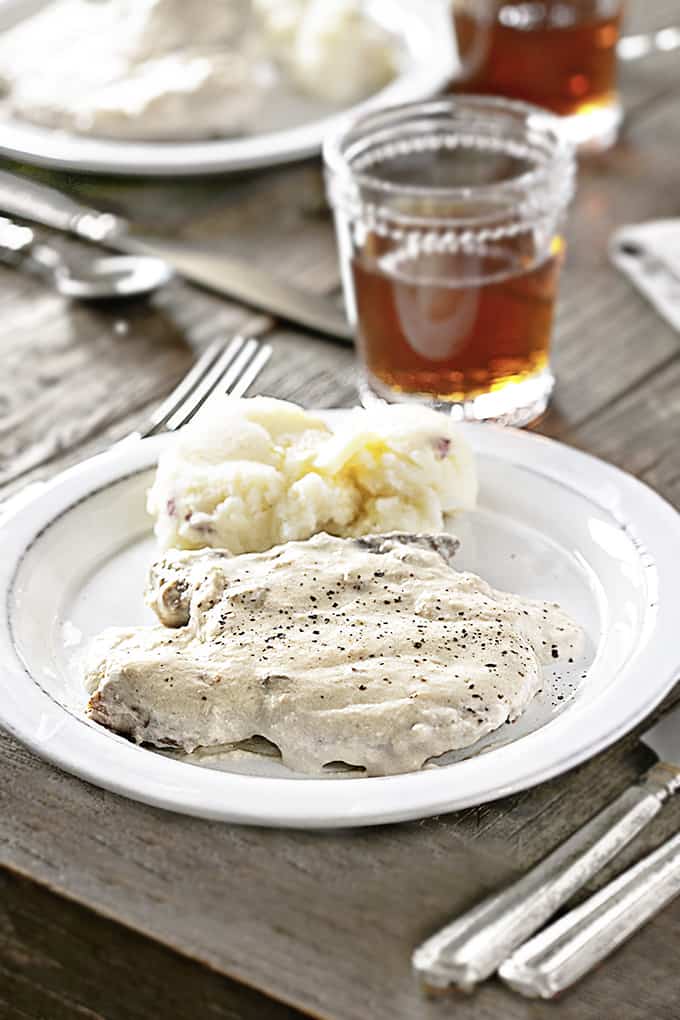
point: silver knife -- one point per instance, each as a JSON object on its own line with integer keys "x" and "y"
{"x": 473, "y": 946}
{"x": 565, "y": 951}
{"x": 222, "y": 273}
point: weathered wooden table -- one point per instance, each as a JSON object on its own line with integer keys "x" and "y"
{"x": 112, "y": 909}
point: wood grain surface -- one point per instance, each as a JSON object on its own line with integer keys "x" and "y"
{"x": 110, "y": 909}
{"x": 103, "y": 969}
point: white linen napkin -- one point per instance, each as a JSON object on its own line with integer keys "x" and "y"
{"x": 649, "y": 255}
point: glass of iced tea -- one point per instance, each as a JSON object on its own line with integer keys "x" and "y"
{"x": 449, "y": 220}
{"x": 560, "y": 54}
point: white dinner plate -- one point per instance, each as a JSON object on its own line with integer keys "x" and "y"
{"x": 552, "y": 523}
{"x": 288, "y": 129}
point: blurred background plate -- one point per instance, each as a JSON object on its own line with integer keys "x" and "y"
{"x": 291, "y": 129}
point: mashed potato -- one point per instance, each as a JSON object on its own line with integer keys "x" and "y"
{"x": 341, "y": 55}
{"x": 246, "y": 475}
{"x": 331, "y": 49}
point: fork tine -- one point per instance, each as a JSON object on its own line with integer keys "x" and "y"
{"x": 251, "y": 373}
{"x": 240, "y": 374}
{"x": 225, "y": 373}
{"x": 200, "y": 393}
{"x": 233, "y": 374}
{"x": 186, "y": 385}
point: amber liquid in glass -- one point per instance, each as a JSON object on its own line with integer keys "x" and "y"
{"x": 557, "y": 55}
{"x": 454, "y": 326}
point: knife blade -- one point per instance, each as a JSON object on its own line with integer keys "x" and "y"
{"x": 222, "y": 273}
{"x": 475, "y": 945}
{"x": 664, "y": 738}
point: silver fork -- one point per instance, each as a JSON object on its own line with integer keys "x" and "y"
{"x": 229, "y": 368}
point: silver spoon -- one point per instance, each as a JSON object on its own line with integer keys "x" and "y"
{"x": 107, "y": 276}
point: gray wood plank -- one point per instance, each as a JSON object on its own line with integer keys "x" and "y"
{"x": 51, "y": 956}
{"x": 607, "y": 336}
{"x": 654, "y": 408}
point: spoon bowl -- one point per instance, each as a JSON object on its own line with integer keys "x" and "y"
{"x": 87, "y": 279}
{"x": 112, "y": 276}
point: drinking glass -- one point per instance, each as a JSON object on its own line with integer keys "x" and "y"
{"x": 559, "y": 54}
{"x": 449, "y": 221}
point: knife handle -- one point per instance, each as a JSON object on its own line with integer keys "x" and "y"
{"x": 472, "y": 947}
{"x": 41, "y": 204}
{"x": 569, "y": 948}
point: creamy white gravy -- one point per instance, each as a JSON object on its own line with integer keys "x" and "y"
{"x": 371, "y": 652}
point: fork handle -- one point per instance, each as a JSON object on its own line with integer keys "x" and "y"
{"x": 473, "y": 946}
{"x": 566, "y": 950}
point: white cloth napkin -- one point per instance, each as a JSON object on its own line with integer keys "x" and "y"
{"x": 649, "y": 254}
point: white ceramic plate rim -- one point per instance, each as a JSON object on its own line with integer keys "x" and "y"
{"x": 433, "y": 62}
{"x": 69, "y": 742}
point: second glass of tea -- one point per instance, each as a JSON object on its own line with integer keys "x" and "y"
{"x": 560, "y": 54}
{"x": 449, "y": 218}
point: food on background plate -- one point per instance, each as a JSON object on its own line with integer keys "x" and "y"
{"x": 329, "y": 48}
{"x": 371, "y": 652}
{"x": 246, "y": 475}
{"x": 136, "y": 69}
{"x": 172, "y": 70}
